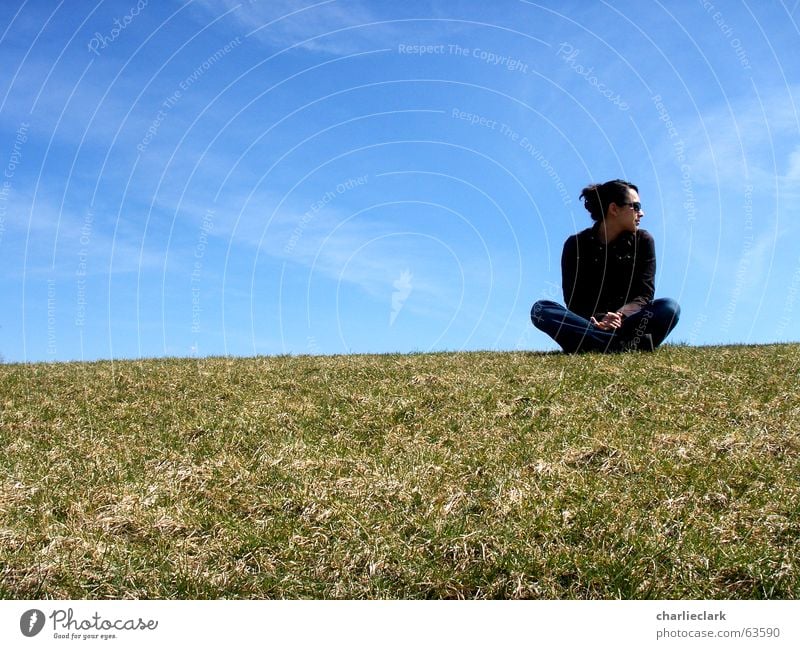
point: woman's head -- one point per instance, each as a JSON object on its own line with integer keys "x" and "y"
{"x": 597, "y": 198}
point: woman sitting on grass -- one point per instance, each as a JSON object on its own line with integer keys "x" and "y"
{"x": 608, "y": 278}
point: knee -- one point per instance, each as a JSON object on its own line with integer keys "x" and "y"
{"x": 539, "y": 308}
{"x": 668, "y": 308}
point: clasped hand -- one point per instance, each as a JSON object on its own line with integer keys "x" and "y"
{"x": 609, "y": 322}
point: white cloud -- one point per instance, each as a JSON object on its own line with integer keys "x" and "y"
{"x": 792, "y": 176}
{"x": 57, "y": 234}
{"x": 743, "y": 140}
{"x": 283, "y": 23}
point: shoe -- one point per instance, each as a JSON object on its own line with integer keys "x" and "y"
{"x": 639, "y": 344}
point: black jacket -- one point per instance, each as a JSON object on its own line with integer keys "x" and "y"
{"x": 597, "y": 278}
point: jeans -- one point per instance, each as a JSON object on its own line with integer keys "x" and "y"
{"x": 577, "y": 334}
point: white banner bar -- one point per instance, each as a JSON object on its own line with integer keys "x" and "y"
{"x": 373, "y": 624}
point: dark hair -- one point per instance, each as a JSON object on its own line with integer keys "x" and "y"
{"x": 597, "y": 198}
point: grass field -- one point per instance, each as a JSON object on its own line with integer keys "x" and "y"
{"x": 463, "y": 475}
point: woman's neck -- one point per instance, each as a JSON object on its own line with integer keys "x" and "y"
{"x": 607, "y": 232}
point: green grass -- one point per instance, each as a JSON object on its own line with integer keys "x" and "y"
{"x": 474, "y": 475}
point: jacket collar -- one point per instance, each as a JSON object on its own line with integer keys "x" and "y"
{"x": 623, "y": 238}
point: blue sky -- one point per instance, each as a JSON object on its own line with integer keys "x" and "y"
{"x": 220, "y": 177}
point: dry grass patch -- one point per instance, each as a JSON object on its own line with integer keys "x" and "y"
{"x": 488, "y": 475}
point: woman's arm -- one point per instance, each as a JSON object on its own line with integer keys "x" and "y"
{"x": 569, "y": 273}
{"x": 644, "y": 275}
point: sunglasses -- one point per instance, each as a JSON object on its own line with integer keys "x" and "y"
{"x": 636, "y": 205}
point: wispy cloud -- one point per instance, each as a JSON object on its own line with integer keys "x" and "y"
{"x": 56, "y": 236}
{"x": 365, "y": 253}
{"x": 744, "y": 138}
{"x": 335, "y": 27}
{"x": 325, "y": 26}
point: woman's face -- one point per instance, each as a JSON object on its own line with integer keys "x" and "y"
{"x": 628, "y": 215}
